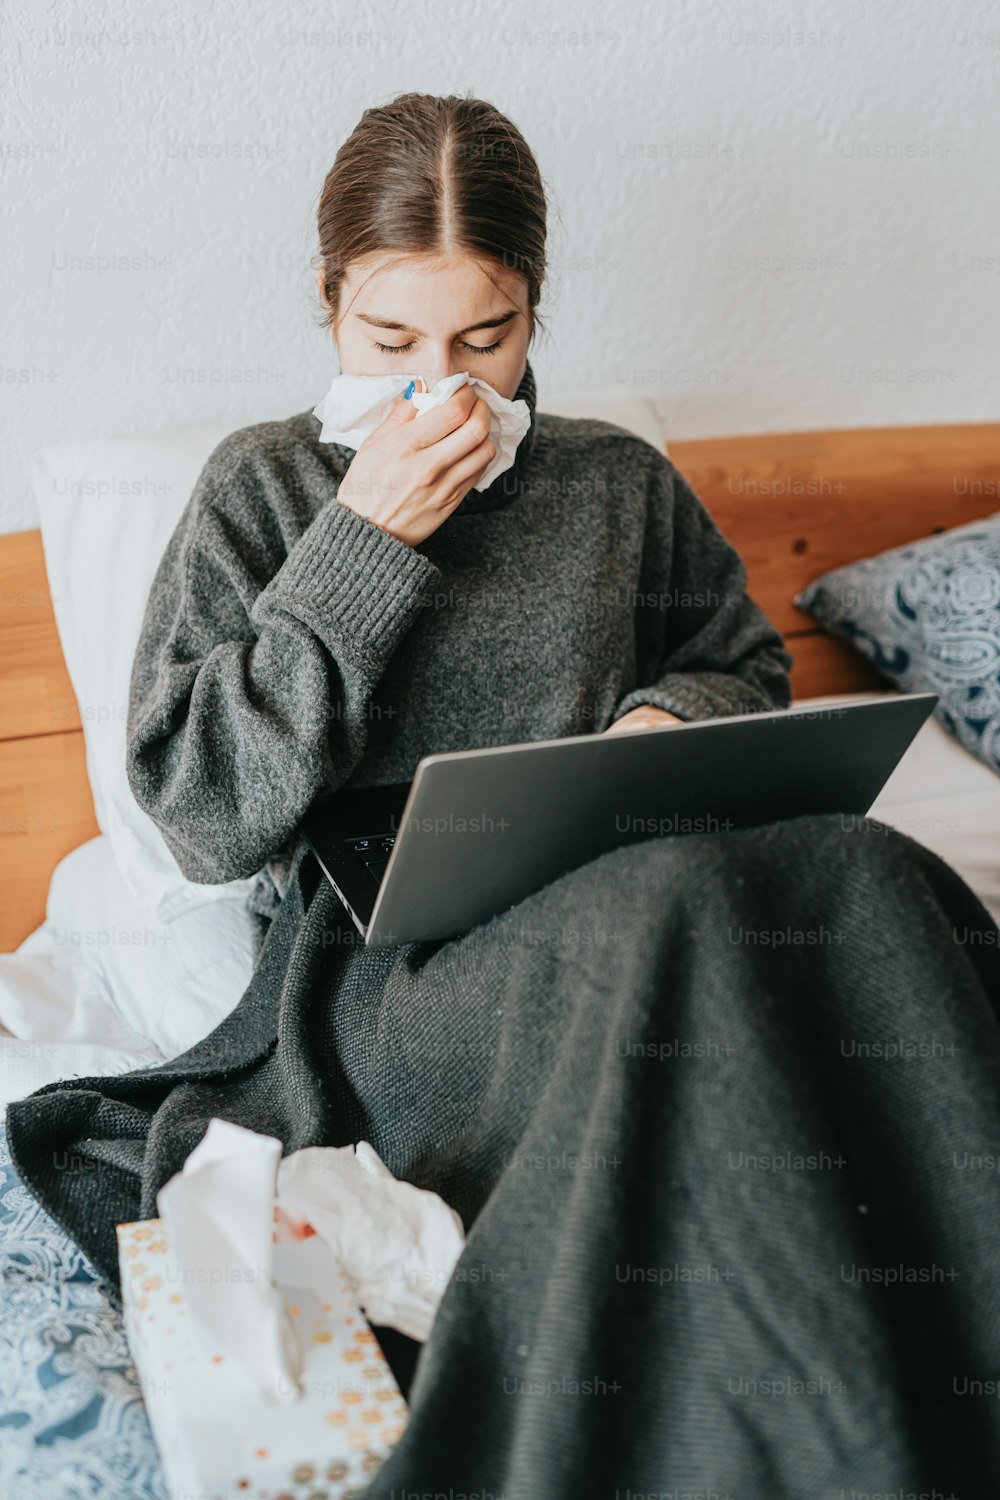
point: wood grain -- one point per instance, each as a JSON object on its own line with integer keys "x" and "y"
{"x": 36, "y": 695}
{"x": 797, "y": 504}
{"x": 45, "y": 811}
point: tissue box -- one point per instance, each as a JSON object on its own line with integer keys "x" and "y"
{"x": 218, "y": 1436}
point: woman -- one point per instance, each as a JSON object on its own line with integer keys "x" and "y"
{"x": 595, "y": 1077}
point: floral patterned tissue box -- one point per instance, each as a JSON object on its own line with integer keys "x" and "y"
{"x": 219, "y": 1437}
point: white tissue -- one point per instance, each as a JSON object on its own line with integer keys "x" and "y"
{"x": 355, "y": 405}
{"x": 219, "y": 1213}
{"x": 398, "y": 1244}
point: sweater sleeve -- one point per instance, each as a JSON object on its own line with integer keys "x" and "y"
{"x": 705, "y": 649}
{"x": 255, "y": 666}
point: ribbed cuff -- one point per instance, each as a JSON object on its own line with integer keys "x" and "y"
{"x": 682, "y": 694}
{"x": 355, "y": 586}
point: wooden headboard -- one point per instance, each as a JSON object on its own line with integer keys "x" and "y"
{"x": 794, "y": 504}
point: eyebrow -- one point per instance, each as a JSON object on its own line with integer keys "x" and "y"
{"x": 377, "y": 322}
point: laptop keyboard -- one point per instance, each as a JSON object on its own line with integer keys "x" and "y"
{"x": 373, "y": 852}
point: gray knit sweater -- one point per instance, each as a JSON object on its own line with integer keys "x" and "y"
{"x": 290, "y": 646}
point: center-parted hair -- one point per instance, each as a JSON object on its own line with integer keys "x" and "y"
{"x": 433, "y": 175}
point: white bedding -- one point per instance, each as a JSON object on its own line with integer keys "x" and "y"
{"x": 102, "y": 987}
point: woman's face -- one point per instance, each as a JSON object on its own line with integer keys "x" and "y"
{"x": 434, "y": 318}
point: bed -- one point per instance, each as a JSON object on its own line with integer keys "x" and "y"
{"x": 111, "y": 961}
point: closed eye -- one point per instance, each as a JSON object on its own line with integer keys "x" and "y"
{"x": 405, "y": 348}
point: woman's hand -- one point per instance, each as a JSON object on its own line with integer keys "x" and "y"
{"x": 643, "y": 717}
{"x": 409, "y": 478}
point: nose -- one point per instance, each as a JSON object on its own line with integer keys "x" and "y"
{"x": 430, "y": 377}
{"x": 434, "y": 370}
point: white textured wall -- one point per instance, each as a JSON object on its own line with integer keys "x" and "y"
{"x": 767, "y": 217}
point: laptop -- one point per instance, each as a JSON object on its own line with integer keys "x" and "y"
{"x": 476, "y": 831}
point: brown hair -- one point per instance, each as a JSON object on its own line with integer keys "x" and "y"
{"x": 428, "y": 174}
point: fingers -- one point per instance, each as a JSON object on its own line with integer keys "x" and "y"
{"x": 462, "y": 475}
{"x": 642, "y": 718}
{"x": 438, "y": 421}
{"x": 461, "y": 442}
{"x": 399, "y": 412}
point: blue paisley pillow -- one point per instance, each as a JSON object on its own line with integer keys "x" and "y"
{"x": 927, "y": 615}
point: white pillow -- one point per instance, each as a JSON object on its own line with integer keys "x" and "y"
{"x": 115, "y": 975}
{"x": 108, "y": 508}
{"x": 635, "y": 413}
{"x": 945, "y": 798}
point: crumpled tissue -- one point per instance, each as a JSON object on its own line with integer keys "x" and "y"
{"x": 398, "y": 1244}
{"x": 355, "y": 405}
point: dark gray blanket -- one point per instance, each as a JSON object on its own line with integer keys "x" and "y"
{"x": 721, "y": 1115}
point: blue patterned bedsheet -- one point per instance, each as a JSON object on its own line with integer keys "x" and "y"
{"x": 72, "y": 1420}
